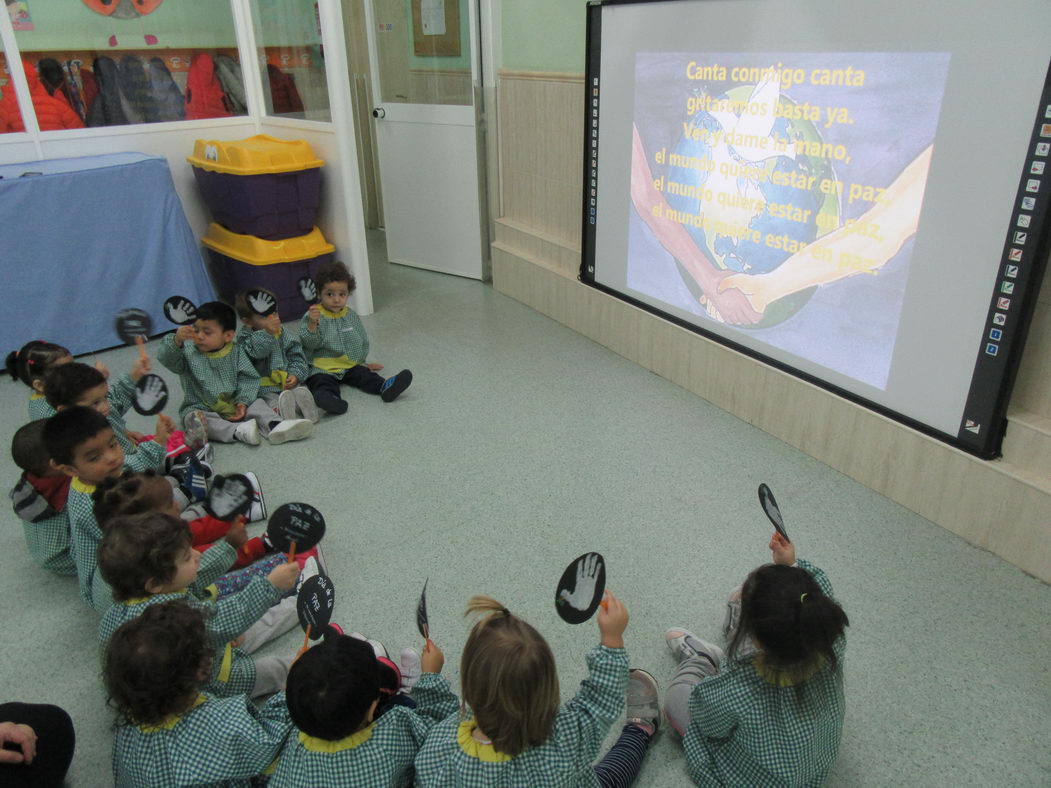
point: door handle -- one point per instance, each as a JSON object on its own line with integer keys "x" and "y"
{"x": 379, "y": 113}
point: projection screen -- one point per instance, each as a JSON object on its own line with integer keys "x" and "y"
{"x": 852, "y": 192}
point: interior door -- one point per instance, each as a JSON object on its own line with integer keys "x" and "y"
{"x": 424, "y": 73}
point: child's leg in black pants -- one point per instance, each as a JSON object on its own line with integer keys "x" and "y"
{"x": 54, "y": 746}
{"x": 325, "y": 389}
{"x": 620, "y": 766}
{"x": 361, "y": 377}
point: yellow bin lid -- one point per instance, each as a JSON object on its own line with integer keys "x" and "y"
{"x": 258, "y": 155}
{"x": 257, "y": 251}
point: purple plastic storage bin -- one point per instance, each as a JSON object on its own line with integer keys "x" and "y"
{"x": 273, "y": 207}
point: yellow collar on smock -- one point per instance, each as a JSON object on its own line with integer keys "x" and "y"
{"x": 475, "y": 748}
{"x": 355, "y": 739}
{"x": 334, "y": 315}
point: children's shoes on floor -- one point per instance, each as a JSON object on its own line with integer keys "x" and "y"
{"x": 290, "y": 429}
{"x": 298, "y": 403}
{"x": 248, "y": 432}
{"x": 686, "y": 645}
{"x": 395, "y": 385}
{"x": 643, "y": 702}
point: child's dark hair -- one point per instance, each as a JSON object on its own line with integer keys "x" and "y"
{"x": 69, "y": 428}
{"x": 334, "y": 272}
{"x": 27, "y": 448}
{"x": 508, "y": 678}
{"x": 34, "y": 360}
{"x": 133, "y": 492}
{"x": 241, "y": 302}
{"x": 331, "y": 687}
{"x": 137, "y": 548}
{"x": 221, "y": 313}
{"x": 153, "y": 664}
{"x": 64, "y": 384}
{"x": 792, "y": 621}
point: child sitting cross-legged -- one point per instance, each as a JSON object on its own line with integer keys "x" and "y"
{"x": 39, "y": 500}
{"x": 82, "y": 444}
{"x": 277, "y": 355}
{"x": 148, "y": 559}
{"x": 220, "y": 383}
{"x": 349, "y": 729}
{"x": 169, "y": 731}
{"x": 337, "y": 345}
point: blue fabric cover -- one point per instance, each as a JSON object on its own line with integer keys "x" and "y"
{"x": 87, "y": 238}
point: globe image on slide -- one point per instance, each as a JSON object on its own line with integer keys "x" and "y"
{"x": 741, "y": 175}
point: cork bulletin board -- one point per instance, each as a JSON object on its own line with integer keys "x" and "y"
{"x": 436, "y": 28}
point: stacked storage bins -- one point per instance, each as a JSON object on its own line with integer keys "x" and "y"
{"x": 263, "y": 194}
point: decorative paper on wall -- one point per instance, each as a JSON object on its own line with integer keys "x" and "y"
{"x": 436, "y": 28}
{"x": 122, "y": 9}
{"x": 19, "y": 11}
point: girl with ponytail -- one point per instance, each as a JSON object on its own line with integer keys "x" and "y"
{"x": 769, "y": 711}
{"x": 30, "y": 365}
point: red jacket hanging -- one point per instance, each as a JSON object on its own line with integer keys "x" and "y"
{"x": 204, "y": 94}
{"x": 52, "y": 112}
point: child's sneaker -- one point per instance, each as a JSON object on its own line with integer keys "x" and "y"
{"x": 378, "y": 648}
{"x": 286, "y": 405}
{"x": 410, "y": 669}
{"x": 257, "y": 511}
{"x": 248, "y": 432}
{"x": 395, "y": 385}
{"x": 195, "y": 479}
{"x": 686, "y": 645}
{"x": 309, "y": 570}
{"x": 643, "y": 702}
{"x": 290, "y": 430}
{"x": 305, "y": 403}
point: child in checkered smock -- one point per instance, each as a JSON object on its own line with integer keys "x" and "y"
{"x": 770, "y": 711}
{"x": 30, "y": 364}
{"x": 350, "y": 729}
{"x": 39, "y": 500}
{"x": 515, "y": 733}
{"x": 169, "y": 733}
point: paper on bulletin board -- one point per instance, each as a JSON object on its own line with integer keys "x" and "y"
{"x": 19, "y": 12}
{"x": 432, "y": 13}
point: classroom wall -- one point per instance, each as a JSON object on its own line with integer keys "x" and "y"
{"x": 1003, "y": 506}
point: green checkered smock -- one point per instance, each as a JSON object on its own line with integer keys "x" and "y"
{"x": 378, "y": 756}
{"x": 269, "y": 354}
{"x": 50, "y": 544}
{"x": 207, "y": 378}
{"x": 338, "y": 334}
{"x": 219, "y": 742}
{"x": 562, "y": 761}
{"x": 233, "y": 670}
{"x": 39, "y": 407}
{"x": 137, "y": 457}
{"x": 86, "y": 539}
{"x": 745, "y": 730}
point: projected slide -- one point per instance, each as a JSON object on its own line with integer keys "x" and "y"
{"x": 779, "y": 193}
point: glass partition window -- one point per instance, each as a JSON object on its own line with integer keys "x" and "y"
{"x": 10, "y": 117}
{"x": 291, "y": 58}
{"x": 121, "y": 62}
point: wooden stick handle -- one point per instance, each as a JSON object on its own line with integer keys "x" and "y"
{"x": 292, "y": 553}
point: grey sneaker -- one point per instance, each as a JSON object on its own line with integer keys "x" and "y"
{"x": 305, "y": 403}
{"x": 643, "y": 703}
{"x": 410, "y": 669}
{"x": 286, "y": 406}
{"x": 291, "y": 430}
{"x": 685, "y": 645}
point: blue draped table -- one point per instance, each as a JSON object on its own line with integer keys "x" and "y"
{"x": 86, "y": 238}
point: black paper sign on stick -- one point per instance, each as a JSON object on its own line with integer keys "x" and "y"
{"x": 230, "y": 496}
{"x": 581, "y": 588}
{"x": 261, "y": 302}
{"x": 132, "y": 324}
{"x": 151, "y": 395}
{"x": 421, "y": 613}
{"x": 180, "y": 311}
{"x": 314, "y": 605}
{"x": 308, "y": 289}
{"x": 769, "y": 504}
{"x": 298, "y": 524}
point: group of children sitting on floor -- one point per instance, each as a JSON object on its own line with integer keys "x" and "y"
{"x": 185, "y": 598}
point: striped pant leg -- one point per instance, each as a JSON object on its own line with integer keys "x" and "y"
{"x": 620, "y": 766}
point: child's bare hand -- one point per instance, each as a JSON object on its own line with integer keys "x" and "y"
{"x": 313, "y": 316}
{"x": 433, "y": 659}
{"x": 273, "y": 324}
{"x": 135, "y": 437}
{"x": 240, "y": 409}
{"x": 374, "y": 367}
{"x": 612, "y": 621}
{"x": 784, "y": 551}
{"x": 184, "y": 334}
{"x": 237, "y": 535}
{"x": 140, "y": 368}
{"x": 103, "y": 369}
{"x": 164, "y": 429}
{"x": 284, "y": 576}
{"x": 237, "y": 642}
{"x": 291, "y": 382}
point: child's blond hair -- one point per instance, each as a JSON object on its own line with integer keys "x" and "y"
{"x": 508, "y": 678}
